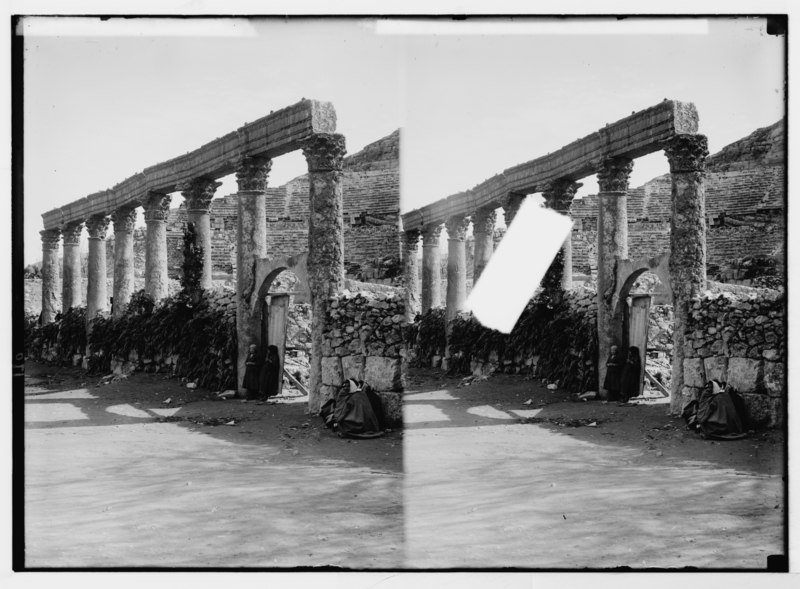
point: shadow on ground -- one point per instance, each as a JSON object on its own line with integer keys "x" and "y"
{"x": 117, "y": 477}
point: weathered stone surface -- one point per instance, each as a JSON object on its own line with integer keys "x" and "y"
{"x": 124, "y": 270}
{"x": 72, "y": 280}
{"x": 383, "y": 374}
{"x": 411, "y": 274}
{"x": 392, "y": 408}
{"x": 332, "y": 371}
{"x": 744, "y": 374}
{"x": 694, "y": 372}
{"x": 353, "y": 367}
{"x": 774, "y": 379}
{"x": 96, "y": 296}
{"x": 431, "y": 290}
{"x": 716, "y": 368}
{"x": 51, "y": 287}
{"x": 763, "y": 411}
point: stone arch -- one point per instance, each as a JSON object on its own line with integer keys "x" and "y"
{"x": 268, "y": 269}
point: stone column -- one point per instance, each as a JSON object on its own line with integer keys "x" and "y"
{"x": 687, "y": 260}
{"x": 71, "y": 293}
{"x": 198, "y": 194}
{"x": 97, "y": 296}
{"x": 50, "y": 274}
{"x": 251, "y": 244}
{"x": 483, "y": 232}
{"x": 456, "y": 265}
{"x": 612, "y": 243}
{"x": 511, "y": 206}
{"x": 124, "y": 223}
{"x": 431, "y": 294}
{"x": 411, "y": 273}
{"x": 156, "y": 276}
{"x": 324, "y": 153}
{"x": 558, "y": 196}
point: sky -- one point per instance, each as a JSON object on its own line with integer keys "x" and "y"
{"x": 104, "y": 100}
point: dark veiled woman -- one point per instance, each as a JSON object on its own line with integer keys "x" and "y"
{"x": 631, "y": 375}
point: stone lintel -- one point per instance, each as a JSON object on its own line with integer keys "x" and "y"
{"x": 278, "y": 133}
{"x": 634, "y": 136}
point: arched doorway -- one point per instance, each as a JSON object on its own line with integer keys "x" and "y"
{"x": 644, "y": 315}
{"x": 283, "y": 309}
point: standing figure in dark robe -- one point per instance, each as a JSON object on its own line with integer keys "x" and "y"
{"x": 269, "y": 380}
{"x": 251, "y": 372}
{"x": 613, "y": 374}
{"x": 631, "y": 375}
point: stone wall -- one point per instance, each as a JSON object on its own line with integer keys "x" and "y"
{"x": 740, "y": 339}
{"x": 363, "y": 340}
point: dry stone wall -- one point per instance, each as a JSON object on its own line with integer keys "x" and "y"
{"x": 739, "y": 338}
{"x": 363, "y": 340}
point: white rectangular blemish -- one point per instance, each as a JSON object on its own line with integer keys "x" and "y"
{"x": 518, "y": 266}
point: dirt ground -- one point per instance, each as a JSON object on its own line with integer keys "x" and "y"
{"x": 506, "y": 473}
{"x": 143, "y": 472}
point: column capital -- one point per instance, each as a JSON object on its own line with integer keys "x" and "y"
{"x": 613, "y": 174}
{"x": 324, "y": 152}
{"x": 686, "y": 152}
{"x": 483, "y": 221}
{"x": 51, "y": 238}
{"x": 457, "y": 227}
{"x": 411, "y": 240}
{"x": 430, "y": 234}
{"x": 98, "y": 226}
{"x": 558, "y": 194}
{"x": 72, "y": 233}
{"x": 511, "y": 206}
{"x": 198, "y": 193}
{"x": 124, "y": 219}
{"x": 156, "y": 206}
{"x": 252, "y": 172}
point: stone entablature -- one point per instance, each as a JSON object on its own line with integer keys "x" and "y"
{"x": 275, "y": 134}
{"x": 639, "y": 134}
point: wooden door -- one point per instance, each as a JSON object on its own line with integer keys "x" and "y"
{"x": 276, "y": 328}
{"x": 638, "y": 323}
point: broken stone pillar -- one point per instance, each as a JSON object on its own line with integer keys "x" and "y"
{"x": 511, "y": 206}
{"x": 124, "y": 223}
{"x": 411, "y": 273}
{"x": 50, "y": 274}
{"x": 156, "y": 277}
{"x": 612, "y": 243}
{"x": 96, "y": 293}
{"x": 324, "y": 153}
{"x": 198, "y": 194}
{"x": 687, "y": 260}
{"x": 483, "y": 232}
{"x": 251, "y": 244}
{"x": 456, "y": 265}
{"x": 431, "y": 294}
{"x": 71, "y": 294}
{"x": 558, "y": 196}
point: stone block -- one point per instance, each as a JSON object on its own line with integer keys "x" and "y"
{"x": 773, "y": 381}
{"x": 326, "y": 393}
{"x": 694, "y": 374}
{"x": 763, "y": 411}
{"x": 716, "y": 367}
{"x": 392, "y": 408}
{"x": 383, "y": 374}
{"x": 744, "y": 374}
{"x": 332, "y": 371}
{"x": 353, "y": 367}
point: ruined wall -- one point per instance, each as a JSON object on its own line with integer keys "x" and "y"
{"x": 745, "y": 210}
{"x": 363, "y": 340}
{"x": 740, "y": 339}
